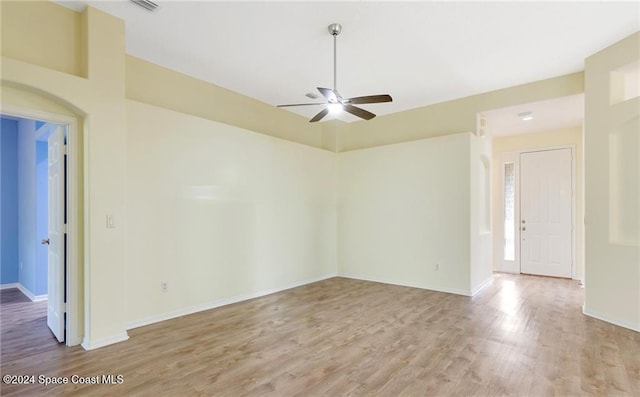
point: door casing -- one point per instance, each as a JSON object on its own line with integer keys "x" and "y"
{"x": 74, "y": 292}
{"x": 514, "y": 157}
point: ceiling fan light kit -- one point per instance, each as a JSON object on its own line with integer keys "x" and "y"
{"x": 335, "y": 108}
{"x": 335, "y": 103}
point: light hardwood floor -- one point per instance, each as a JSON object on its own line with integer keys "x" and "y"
{"x": 520, "y": 336}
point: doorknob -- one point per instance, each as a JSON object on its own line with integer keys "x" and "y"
{"x": 45, "y": 241}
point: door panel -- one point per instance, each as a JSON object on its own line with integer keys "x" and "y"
{"x": 56, "y": 254}
{"x": 546, "y": 212}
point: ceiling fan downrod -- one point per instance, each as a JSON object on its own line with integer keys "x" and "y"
{"x": 335, "y": 29}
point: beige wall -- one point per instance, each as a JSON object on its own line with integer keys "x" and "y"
{"x": 44, "y": 34}
{"x": 612, "y": 191}
{"x": 569, "y": 137}
{"x": 404, "y": 208}
{"x": 155, "y": 85}
{"x": 220, "y": 214}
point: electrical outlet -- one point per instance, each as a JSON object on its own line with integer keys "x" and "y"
{"x": 437, "y": 267}
{"x": 164, "y": 286}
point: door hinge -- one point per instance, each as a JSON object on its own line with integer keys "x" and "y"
{"x": 65, "y": 149}
{"x": 66, "y": 229}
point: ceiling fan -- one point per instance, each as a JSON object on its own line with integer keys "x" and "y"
{"x": 335, "y": 102}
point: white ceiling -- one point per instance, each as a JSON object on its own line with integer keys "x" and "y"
{"x": 419, "y": 52}
{"x": 557, "y": 113}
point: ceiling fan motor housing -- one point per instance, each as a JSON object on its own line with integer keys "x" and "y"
{"x": 335, "y": 29}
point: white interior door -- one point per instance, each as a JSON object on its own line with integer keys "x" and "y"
{"x": 56, "y": 238}
{"x": 546, "y": 212}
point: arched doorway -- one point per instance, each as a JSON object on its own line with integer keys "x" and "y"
{"x": 23, "y": 103}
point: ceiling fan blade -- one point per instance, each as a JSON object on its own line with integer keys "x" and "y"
{"x": 320, "y": 115}
{"x": 330, "y": 94}
{"x": 356, "y": 111}
{"x": 369, "y": 99}
{"x": 300, "y": 104}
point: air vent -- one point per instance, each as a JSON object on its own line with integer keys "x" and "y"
{"x": 146, "y": 4}
{"x": 311, "y": 95}
{"x": 525, "y": 116}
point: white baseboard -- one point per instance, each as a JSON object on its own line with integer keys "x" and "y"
{"x": 88, "y": 344}
{"x": 508, "y": 269}
{"x": 25, "y": 292}
{"x": 603, "y": 317}
{"x": 30, "y": 295}
{"x": 482, "y": 285}
{"x": 407, "y": 284}
{"x": 218, "y": 303}
{"x": 40, "y": 298}
{"x": 78, "y": 340}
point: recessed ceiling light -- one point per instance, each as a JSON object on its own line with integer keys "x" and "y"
{"x": 525, "y": 116}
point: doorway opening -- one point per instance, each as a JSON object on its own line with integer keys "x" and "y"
{"x": 39, "y": 272}
{"x": 536, "y": 127}
{"x": 537, "y": 211}
{"x": 39, "y": 217}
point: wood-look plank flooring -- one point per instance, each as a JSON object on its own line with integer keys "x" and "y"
{"x": 24, "y": 327}
{"x": 520, "y": 336}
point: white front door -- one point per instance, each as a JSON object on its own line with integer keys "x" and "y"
{"x": 546, "y": 213}
{"x": 56, "y": 238}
